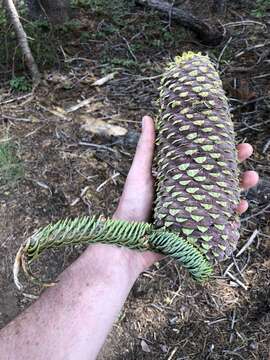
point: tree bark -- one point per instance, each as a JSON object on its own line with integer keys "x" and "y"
{"x": 205, "y": 33}
{"x": 22, "y": 40}
{"x": 57, "y": 11}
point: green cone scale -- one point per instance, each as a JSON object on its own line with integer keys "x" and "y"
{"x": 197, "y": 174}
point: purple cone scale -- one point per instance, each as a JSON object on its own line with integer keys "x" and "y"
{"x": 198, "y": 187}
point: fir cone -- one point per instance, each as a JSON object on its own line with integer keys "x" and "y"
{"x": 196, "y": 158}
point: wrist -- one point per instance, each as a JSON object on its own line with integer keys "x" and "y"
{"x": 113, "y": 262}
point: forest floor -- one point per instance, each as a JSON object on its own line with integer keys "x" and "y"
{"x": 71, "y": 158}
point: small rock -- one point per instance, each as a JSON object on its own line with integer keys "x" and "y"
{"x": 145, "y": 346}
{"x": 253, "y": 345}
{"x": 164, "y": 348}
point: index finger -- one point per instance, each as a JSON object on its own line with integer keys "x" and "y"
{"x": 142, "y": 162}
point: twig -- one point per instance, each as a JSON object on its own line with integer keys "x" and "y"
{"x": 233, "y": 353}
{"x": 83, "y": 192}
{"x": 243, "y": 23}
{"x": 129, "y": 48}
{"x": 232, "y": 324}
{"x": 239, "y": 270}
{"x": 237, "y": 280}
{"x": 8, "y": 117}
{"x": 78, "y": 59}
{"x": 141, "y": 78}
{"x": 170, "y": 14}
{"x": 172, "y": 353}
{"x": 250, "y": 102}
{"x": 257, "y": 213}
{"x": 16, "y": 99}
{"x": 208, "y": 322}
{"x": 223, "y": 50}
{"x": 43, "y": 185}
{"x": 261, "y": 76}
{"x": 246, "y": 264}
{"x": 266, "y": 146}
{"x": 250, "y": 48}
{"x": 106, "y": 181}
{"x": 253, "y": 128}
{"x": 84, "y": 143}
{"x": 34, "y": 131}
{"x": 248, "y": 243}
{"x": 228, "y": 269}
{"x": 264, "y": 235}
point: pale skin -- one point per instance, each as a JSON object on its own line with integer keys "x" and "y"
{"x": 72, "y": 319}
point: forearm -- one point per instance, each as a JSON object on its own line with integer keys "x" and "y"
{"x": 72, "y": 319}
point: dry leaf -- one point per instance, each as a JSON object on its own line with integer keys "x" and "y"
{"x": 101, "y": 127}
{"x": 105, "y": 79}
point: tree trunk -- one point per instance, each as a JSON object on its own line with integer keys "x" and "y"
{"x": 206, "y": 34}
{"x": 22, "y": 40}
{"x": 34, "y": 9}
{"x": 219, "y": 7}
{"x": 57, "y": 11}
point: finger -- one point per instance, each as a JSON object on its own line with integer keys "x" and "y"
{"x": 249, "y": 179}
{"x": 242, "y": 207}
{"x": 142, "y": 162}
{"x": 244, "y": 151}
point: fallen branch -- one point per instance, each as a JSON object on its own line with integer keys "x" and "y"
{"x": 22, "y": 40}
{"x": 205, "y": 33}
{"x": 248, "y": 243}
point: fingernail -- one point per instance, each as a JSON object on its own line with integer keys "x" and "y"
{"x": 143, "y": 122}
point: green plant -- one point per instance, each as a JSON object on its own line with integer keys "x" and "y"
{"x": 197, "y": 180}
{"x": 126, "y": 63}
{"x": 262, "y": 6}
{"x": 68, "y": 26}
{"x": 43, "y": 40}
{"x": 11, "y": 169}
{"x": 3, "y": 18}
{"x": 81, "y": 3}
{"x": 115, "y": 9}
{"x": 20, "y": 83}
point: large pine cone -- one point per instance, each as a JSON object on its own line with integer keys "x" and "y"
{"x": 196, "y": 159}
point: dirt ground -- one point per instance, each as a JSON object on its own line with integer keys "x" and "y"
{"x": 72, "y": 168}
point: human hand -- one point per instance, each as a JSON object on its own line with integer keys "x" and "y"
{"x": 136, "y": 202}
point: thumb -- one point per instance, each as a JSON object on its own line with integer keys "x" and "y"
{"x": 142, "y": 162}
